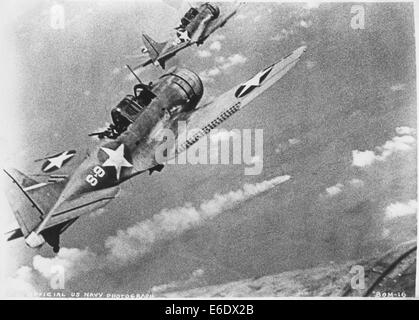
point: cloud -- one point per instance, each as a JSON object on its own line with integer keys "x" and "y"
{"x": 398, "y": 87}
{"x": 218, "y": 37}
{"x": 357, "y": 183}
{"x": 20, "y": 284}
{"x": 215, "y": 46}
{"x": 116, "y": 70}
{"x": 233, "y": 60}
{"x": 312, "y": 4}
{"x": 405, "y": 130}
{"x": 397, "y": 144}
{"x": 208, "y": 75}
{"x": 128, "y": 245}
{"x": 349, "y": 186}
{"x": 306, "y": 24}
{"x": 194, "y": 279}
{"x": 283, "y": 35}
{"x": 204, "y": 53}
{"x": 362, "y": 158}
{"x": 139, "y": 239}
{"x": 310, "y": 64}
{"x": 257, "y": 18}
{"x": 293, "y": 141}
{"x": 222, "y": 63}
{"x": 399, "y": 209}
{"x": 73, "y": 260}
{"x": 334, "y": 190}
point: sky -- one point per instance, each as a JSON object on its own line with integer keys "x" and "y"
{"x": 339, "y": 174}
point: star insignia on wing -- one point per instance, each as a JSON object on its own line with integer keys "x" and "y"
{"x": 116, "y": 159}
{"x": 56, "y": 162}
{"x": 256, "y": 81}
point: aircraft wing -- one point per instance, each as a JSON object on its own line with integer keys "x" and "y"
{"x": 213, "y": 114}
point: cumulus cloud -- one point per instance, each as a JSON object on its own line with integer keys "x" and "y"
{"x": 283, "y": 35}
{"x": 222, "y": 64}
{"x": 218, "y": 37}
{"x": 20, "y": 284}
{"x": 400, "y": 209}
{"x": 334, "y": 190}
{"x": 194, "y": 279}
{"x": 73, "y": 260}
{"x": 363, "y": 158}
{"x": 215, "y": 46}
{"x": 357, "y": 183}
{"x": 405, "y": 130}
{"x": 204, "y": 53}
{"x": 348, "y": 186}
{"x": 306, "y": 24}
{"x": 312, "y": 4}
{"x": 397, "y": 144}
{"x": 116, "y": 70}
{"x": 209, "y": 74}
{"x": 139, "y": 239}
{"x": 310, "y": 64}
{"x": 293, "y": 141}
{"x": 398, "y": 87}
{"x": 232, "y": 60}
{"x": 128, "y": 245}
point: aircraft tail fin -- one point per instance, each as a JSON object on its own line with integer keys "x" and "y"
{"x": 153, "y": 48}
{"x": 29, "y": 200}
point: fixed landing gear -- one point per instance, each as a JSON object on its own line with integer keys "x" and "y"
{"x": 56, "y": 249}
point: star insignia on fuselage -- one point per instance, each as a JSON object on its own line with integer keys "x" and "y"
{"x": 183, "y": 36}
{"x": 116, "y": 159}
{"x": 256, "y": 81}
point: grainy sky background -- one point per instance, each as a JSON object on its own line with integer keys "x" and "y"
{"x": 353, "y": 90}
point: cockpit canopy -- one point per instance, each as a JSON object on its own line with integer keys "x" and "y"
{"x": 192, "y": 12}
{"x": 128, "y": 110}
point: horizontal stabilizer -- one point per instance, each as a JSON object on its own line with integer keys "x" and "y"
{"x": 29, "y": 199}
{"x": 14, "y": 234}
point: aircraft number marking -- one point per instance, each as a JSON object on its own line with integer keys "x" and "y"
{"x": 98, "y": 172}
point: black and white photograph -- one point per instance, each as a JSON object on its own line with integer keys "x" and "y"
{"x": 167, "y": 149}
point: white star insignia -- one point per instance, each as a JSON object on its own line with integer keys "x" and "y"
{"x": 183, "y": 36}
{"x": 256, "y": 81}
{"x": 58, "y": 161}
{"x": 116, "y": 159}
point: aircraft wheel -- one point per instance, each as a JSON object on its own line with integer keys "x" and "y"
{"x": 56, "y": 249}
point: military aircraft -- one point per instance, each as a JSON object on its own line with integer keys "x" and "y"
{"x": 195, "y": 27}
{"x": 45, "y": 209}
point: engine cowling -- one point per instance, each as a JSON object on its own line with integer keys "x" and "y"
{"x": 213, "y": 9}
{"x": 183, "y": 86}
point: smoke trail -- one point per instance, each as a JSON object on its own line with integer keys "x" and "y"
{"x": 139, "y": 239}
